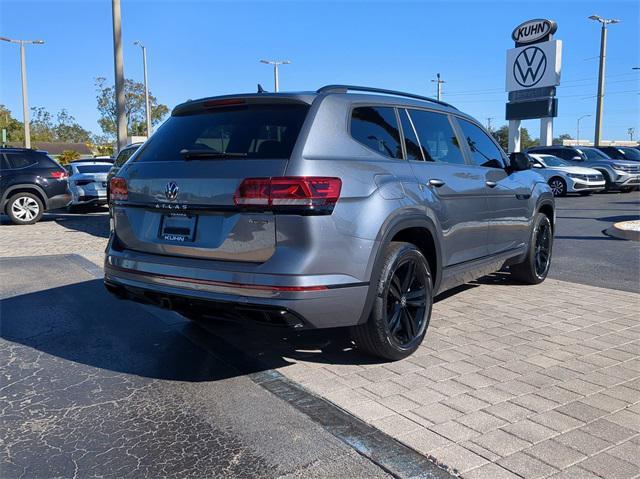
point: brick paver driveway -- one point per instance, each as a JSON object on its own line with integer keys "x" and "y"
{"x": 512, "y": 381}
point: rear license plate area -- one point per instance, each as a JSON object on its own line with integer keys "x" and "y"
{"x": 178, "y": 227}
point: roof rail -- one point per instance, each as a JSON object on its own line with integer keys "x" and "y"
{"x": 345, "y": 88}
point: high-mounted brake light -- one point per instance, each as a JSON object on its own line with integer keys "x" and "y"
{"x": 118, "y": 189}
{"x": 219, "y": 103}
{"x": 289, "y": 193}
{"x": 59, "y": 175}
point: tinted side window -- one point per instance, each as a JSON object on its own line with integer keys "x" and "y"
{"x": 437, "y": 138}
{"x": 377, "y": 128}
{"x": 411, "y": 143}
{"x": 21, "y": 160}
{"x": 123, "y": 156}
{"x": 3, "y": 163}
{"x": 484, "y": 152}
{"x": 564, "y": 153}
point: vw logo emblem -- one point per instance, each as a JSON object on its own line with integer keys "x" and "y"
{"x": 529, "y": 67}
{"x": 171, "y": 191}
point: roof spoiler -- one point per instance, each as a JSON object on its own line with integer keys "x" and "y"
{"x": 346, "y": 88}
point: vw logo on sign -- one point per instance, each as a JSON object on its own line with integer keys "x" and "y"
{"x": 529, "y": 67}
{"x": 171, "y": 191}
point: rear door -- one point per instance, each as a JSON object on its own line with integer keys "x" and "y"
{"x": 450, "y": 187}
{"x": 507, "y": 194}
{"x": 181, "y": 184}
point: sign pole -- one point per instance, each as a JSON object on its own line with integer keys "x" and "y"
{"x": 546, "y": 131}
{"x": 514, "y": 136}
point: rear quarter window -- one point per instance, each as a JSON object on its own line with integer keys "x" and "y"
{"x": 377, "y": 128}
{"x": 247, "y": 131}
{"x": 21, "y": 160}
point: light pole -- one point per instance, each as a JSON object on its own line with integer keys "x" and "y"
{"x": 121, "y": 121}
{"x": 439, "y": 82}
{"x": 23, "y": 74}
{"x": 147, "y": 108}
{"x": 578, "y": 129}
{"x": 276, "y": 63}
{"x": 603, "y": 55}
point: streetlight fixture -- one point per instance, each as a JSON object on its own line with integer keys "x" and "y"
{"x": 578, "y": 129}
{"x": 603, "y": 54}
{"x": 276, "y": 64}
{"x": 23, "y": 74}
{"x": 147, "y": 108}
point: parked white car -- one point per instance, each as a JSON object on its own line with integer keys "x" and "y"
{"x": 88, "y": 183}
{"x": 565, "y": 178}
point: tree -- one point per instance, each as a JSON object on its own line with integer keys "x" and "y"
{"x": 502, "y": 137}
{"x": 68, "y": 130}
{"x": 67, "y": 156}
{"x": 559, "y": 139}
{"x": 15, "y": 128}
{"x": 41, "y": 124}
{"x": 134, "y": 107}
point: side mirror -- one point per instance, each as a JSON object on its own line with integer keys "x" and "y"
{"x": 536, "y": 165}
{"x": 518, "y": 161}
{"x": 577, "y": 158}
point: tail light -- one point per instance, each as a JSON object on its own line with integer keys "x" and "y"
{"x": 58, "y": 175}
{"x": 118, "y": 189}
{"x": 295, "y": 194}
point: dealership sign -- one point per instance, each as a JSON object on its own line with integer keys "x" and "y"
{"x": 533, "y": 31}
{"x": 534, "y": 66}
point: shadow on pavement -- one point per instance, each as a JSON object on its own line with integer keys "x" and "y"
{"x": 94, "y": 224}
{"x": 81, "y": 322}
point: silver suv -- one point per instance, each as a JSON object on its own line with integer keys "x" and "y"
{"x": 323, "y": 209}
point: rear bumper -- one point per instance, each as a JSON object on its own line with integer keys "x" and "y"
{"x": 286, "y": 300}
{"x": 58, "y": 201}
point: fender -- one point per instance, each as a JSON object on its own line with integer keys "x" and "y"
{"x": 24, "y": 186}
{"x": 387, "y": 232}
{"x": 547, "y": 200}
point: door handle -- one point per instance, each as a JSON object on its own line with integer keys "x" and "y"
{"x": 436, "y": 182}
{"x": 491, "y": 184}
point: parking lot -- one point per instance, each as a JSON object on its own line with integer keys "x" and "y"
{"x": 512, "y": 381}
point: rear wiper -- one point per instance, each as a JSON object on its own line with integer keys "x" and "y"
{"x": 210, "y": 154}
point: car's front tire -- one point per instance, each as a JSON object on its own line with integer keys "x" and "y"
{"x": 535, "y": 267}
{"x": 25, "y": 209}
{"x": 558, "y": 186}
{"x": 401, "y": 311}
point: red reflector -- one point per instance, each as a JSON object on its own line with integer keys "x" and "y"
{"x": 118, "y": 189}
{"x": 306, "y": 192}
{"x": 59, "y": 175}
{"x": 218, "y": 103}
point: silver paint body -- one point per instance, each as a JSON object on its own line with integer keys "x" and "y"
{"x": 475, "y": 228}
{"x": 96, "y": 190}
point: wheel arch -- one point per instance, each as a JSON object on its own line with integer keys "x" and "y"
{"x": 24, "y": 188}
{"x": 417, "y": 229}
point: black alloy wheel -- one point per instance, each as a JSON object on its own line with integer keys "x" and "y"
{"x": 543, "y": 249}
{"x": 406, "y": 304}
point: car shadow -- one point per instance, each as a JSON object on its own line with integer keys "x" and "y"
{"x": 96, "y": 224}
{"x": 82, "y": 323}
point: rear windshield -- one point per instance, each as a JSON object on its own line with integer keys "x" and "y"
{"x": 93, "y": 168}
{"x": 247, "y": 131}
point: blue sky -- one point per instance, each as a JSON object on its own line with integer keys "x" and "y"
{"x": 204, "y": 48}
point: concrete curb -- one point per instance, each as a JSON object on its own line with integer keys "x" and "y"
{"x": 623, "y": 230}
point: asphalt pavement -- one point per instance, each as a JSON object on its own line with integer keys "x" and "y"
{"x": 584, "y": 254}
{"x": 95, "y": 387}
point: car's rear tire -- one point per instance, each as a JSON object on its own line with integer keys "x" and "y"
{"x": 535, "y": 267}
{"x": 558, "y": 186}
{"x": 401, "y": 310}
{"x": 25, "y": 208}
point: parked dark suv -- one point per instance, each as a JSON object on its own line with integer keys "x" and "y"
{"x": 30, "y": 184}
{"x": 626, "y": 153}
{"x": 323, "y": 209}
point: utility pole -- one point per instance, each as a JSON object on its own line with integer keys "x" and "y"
{"x": 276, "y": 64}
{"x": 489, "y": 118}
{"x": 439, "y": 82}
{"x": 630, "y": 132}
{"x": 147, "y": 108}
{"x": 603, "y": 56}
{"x": 23, "y": 75}
{"x": 578, "y": 129}
{"x": 121, "y": 122}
